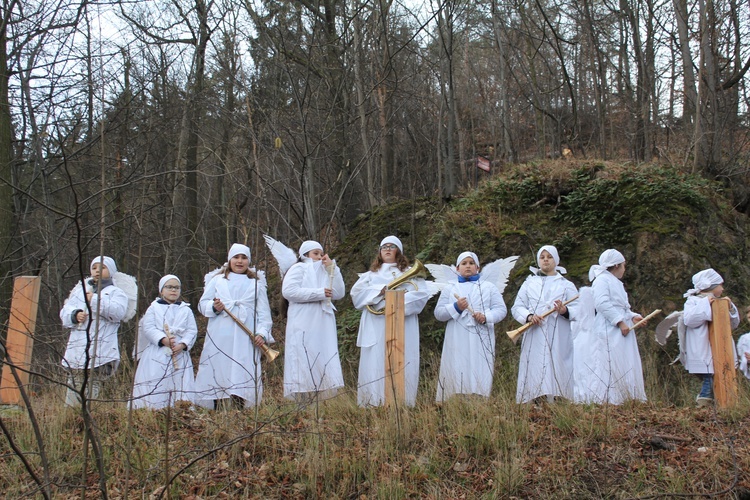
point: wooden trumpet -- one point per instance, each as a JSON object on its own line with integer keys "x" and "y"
{"x": 657, "y": 311}
{"x": 269, "y": 353}
{"x": 515, "y": 334}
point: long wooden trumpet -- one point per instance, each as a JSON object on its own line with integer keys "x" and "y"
{"x": 515, "y": 334}
{"x": 269, "y": 353}
{"x": 170, "y": 337}
{"x": 657, "y": 311}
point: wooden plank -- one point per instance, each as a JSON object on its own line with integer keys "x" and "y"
{"x": 722, "y": 350}
{"x": 395, "y": 386}
{"x": 20, "y": 339}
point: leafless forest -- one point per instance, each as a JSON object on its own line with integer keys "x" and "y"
{"x": 161, "y": 131}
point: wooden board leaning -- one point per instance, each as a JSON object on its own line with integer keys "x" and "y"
{"x": 722, "y": 350}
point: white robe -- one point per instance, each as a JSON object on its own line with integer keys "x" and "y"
{"x": 617, "y": 373}
{"x": 156, "y": 383}
{"x": 230, "y": 364}
{"x": 468, "y": 360}
{"x": 371, "y": 337}
{"x": 743, "y": 346}
{"x": 311, "y": 352}
{"x": 546, "y": 364}
{"x": 697, "y": 315}
{"x": 112, "y": 309}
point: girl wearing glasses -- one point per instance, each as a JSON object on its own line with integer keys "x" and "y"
{"x": 165, "y": 335}
{"x": 389, "y": 264}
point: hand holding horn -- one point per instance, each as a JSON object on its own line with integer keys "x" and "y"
{"x": 269, "y": 353}
{"x": 514, "y": 335}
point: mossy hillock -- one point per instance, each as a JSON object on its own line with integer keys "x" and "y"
{"x": 668, "y": 224}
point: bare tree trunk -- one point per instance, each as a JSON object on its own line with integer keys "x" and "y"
{"x": 509, "y": 152}
{"x": 705, "y": 117}
{"x": 194, "y": 120}
{"x": 6, "y": 169}
{"x": 359, "y": 86}
{"x": 445, "y": 29}
{"x": 690, "y": 95}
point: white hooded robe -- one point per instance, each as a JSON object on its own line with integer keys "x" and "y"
{"x": 311, "y": 353}
{"x": 156, "y": 383}
{"x": 546, "y": 364}
{"x": 230, "y": 364}
{"x": 371, "y": 337}
{"x": 467, "y": 364}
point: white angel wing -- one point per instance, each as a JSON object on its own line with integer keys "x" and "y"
{"x": 127, "y": 284}
{"x": 285, "y": 256}
{"x": 210, "y": 275}
{"x": 498, "y": 272}
{"x": 665, "y": 327}
{"x": 444, "y": 275}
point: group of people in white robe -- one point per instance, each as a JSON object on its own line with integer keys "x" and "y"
{"x": 579, "y": 345}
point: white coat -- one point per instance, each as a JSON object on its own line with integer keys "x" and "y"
{"x": 157, "y": 384}
{"x": 230, "y": 363}
{"x": 468, "y": 360}
{"x": 617, "y": 371}
{"x": 371, "y": 337}
{"x": 311, "y": 353}
{"x": 743, "y": 346}
{"x": 546, "y": 364}
{"x": 112, "y": 308}
{"x": 697, "y": 315}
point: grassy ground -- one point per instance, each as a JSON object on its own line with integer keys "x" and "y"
{"x": 466, "y": 448}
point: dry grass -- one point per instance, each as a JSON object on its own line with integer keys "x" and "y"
{"x": 467, "y": 447}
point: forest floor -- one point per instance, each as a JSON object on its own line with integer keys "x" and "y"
{"x": 465, "y": 448}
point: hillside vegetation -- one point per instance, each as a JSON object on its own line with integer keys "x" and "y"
{"x": 668, "y": 225}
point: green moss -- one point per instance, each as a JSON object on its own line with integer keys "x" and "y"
{"x": 668, "y": 224}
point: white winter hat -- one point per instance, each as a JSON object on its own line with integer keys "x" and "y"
{"x": 166, "y": 278}
{"x": 467, "y": 254}
{"x": 237, "y": 249}
{"x": 109, "y": 263}
{"x": 394, "y": 241}
{"x": 309, "y": 245}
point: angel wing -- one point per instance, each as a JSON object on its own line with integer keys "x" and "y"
{"x": 285, "y": 256}
{"x": 127, "y": 284}
{"x": 444, "y": 275}
{"x": 210, "y": 275}
{"x": 665, "y": 327}
{"x": 498, "y": 272}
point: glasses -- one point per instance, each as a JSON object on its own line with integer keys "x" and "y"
{"x": 388, "y": 247}
{"x": 174, "y": 288}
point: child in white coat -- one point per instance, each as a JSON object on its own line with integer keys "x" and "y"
{"x": 546, "y": 366}
{"x": 390, "y": 263}
{"x": 93, "y": 340}
{"x": 614, "y": 372}
{"x": 743, "y": 349}
{"x": 166, "y": 334}
{"x": 707, "y": 286}
{"x": 311, "y": 355}
{"x": 471, "y": 307}
{"x": 230, "y": 367}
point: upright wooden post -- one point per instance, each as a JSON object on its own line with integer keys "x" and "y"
{"x": 722, "y": 350}
{"x": 395, "y": 383}
{"x": 20, "y": 339}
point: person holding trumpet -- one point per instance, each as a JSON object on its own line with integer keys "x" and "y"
{"x": 229, "y": 369}
{"x": 616, "y": 373}
{"x": 545, "y": 302}
{"x": 368, "y": 296}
